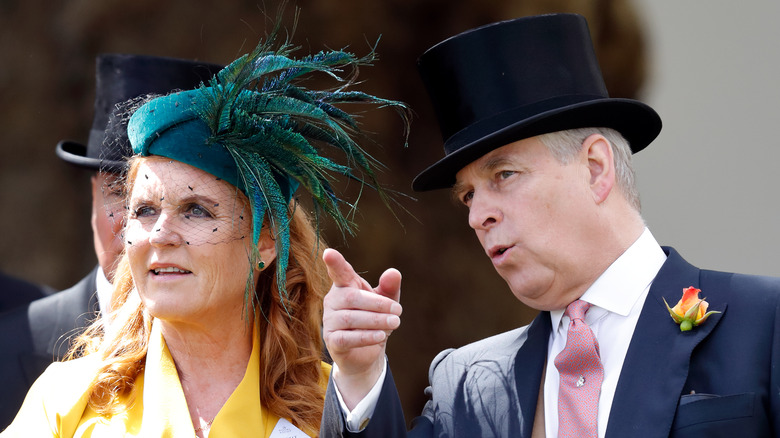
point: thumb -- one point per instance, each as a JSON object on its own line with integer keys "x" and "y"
{"x": 339, "y": 270}
{"x": 390, "y": 284}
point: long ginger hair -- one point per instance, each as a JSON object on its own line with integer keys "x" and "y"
{"x": 291, "y": 375}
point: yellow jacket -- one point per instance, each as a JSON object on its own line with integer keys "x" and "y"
{"x": 56, "y": 405}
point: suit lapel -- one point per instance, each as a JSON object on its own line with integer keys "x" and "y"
{"x": 658, "y": 358}
{"x": 56, "y": 319}
{"x": 529, "y": 367}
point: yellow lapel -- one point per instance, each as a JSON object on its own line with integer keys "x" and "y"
{"x": 159, "y": 407}
{"x": 242, "y": 415}
{"x": 164, "y": 406}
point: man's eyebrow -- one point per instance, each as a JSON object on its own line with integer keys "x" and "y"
{"x": 494, "y": 162}
{"x": 488, "y": 166}
{"x": 457, "y": 188}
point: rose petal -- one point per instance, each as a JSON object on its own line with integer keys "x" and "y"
{"x": 702, "y": 309}
{"x": 689, "y": 299}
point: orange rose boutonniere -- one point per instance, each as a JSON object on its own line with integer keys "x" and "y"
{"x": 691, "y": 310}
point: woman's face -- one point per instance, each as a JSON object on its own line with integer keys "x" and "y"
{"x": 188, "y": 241}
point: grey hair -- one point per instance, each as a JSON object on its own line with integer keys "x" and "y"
{"x": 564, "y": 146}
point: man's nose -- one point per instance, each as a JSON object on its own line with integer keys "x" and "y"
{"x": 484, "y": 212}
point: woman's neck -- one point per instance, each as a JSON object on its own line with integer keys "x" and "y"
{"x": 211, "y": 362}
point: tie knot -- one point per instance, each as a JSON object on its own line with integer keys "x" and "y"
{"x": 577, "y": 310}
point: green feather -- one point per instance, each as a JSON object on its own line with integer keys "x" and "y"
{"x": 272, "y": 126}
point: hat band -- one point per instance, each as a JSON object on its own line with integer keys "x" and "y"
{"x": 482, "y": 128}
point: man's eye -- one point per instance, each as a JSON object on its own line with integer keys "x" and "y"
{"x": 504, "y": 174}
{"x": 114, "y": 194}
{"x": 467, "y": 197}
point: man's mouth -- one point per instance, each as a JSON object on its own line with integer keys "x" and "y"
{"x": 499, "y": 251}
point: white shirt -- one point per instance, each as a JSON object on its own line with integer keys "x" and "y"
{"x": 617, "y": 297}
{"x": 358, "y": 418}
{"x": 104, "y": 292}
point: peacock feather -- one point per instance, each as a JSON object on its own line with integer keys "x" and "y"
{"x": 258, "y": 108}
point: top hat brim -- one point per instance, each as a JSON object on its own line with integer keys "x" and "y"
{"x": 76, "y": 153}
{"x": 119, "y": 78}
{"x": 637, "y": 122}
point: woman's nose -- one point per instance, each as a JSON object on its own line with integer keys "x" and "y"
{"x": 166, "y": 231}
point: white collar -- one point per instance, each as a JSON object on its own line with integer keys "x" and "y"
{"x": 620, "y": 286}
{"x": 104, "y": 290}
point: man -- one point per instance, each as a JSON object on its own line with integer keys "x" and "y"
{"x": 16, "y": 292}
{"x": 541, "y": 157}
{"x": 32, "y": 336}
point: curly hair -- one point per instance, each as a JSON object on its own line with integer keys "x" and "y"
{"x": 291, "y": 377}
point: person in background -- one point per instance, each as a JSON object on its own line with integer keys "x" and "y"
{"x": 218, "y": 296}
{"x": 34, "y": 335}
{"x": 540, "y": 156}
{"x": 16, "y": 292}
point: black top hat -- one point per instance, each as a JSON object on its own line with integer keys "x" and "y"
{"x": 516, "y": 79}
{"x": 121, "y": 77}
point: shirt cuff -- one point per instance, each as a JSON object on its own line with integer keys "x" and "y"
{"x": 358, "y": 418}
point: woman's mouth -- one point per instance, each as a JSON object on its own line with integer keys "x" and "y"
{"x": 169, "y": 270}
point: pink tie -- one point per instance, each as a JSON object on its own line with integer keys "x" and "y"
{"x": 581, "y": 373}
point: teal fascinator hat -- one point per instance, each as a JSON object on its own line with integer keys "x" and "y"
{"x": 170, "y": 126}
{"x": 257, "y": 127}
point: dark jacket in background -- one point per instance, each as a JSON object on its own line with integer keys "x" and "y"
{"x": 15, "y": 292}
{"x": 34, "y": 335}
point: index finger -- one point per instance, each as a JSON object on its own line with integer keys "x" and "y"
{"x": 340, "y": 271}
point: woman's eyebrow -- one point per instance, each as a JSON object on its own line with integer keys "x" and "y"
{"x": 202, "y": 200}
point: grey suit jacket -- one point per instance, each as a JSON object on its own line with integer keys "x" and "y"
{"x": 35, "y": 335}
{"x": 476, "y": 393}
{"x": 717, "y": 380}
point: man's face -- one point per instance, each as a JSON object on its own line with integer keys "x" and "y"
{"x": 530, "y": 213}
{"x": 108, "y": 212}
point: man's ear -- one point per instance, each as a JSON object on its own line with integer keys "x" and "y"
{"x": 601, "y": 166}
{"x": 266, "y": 246}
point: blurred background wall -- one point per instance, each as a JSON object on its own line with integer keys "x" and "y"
{"x": 707, "y": 183}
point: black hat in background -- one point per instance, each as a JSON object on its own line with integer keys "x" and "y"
{"x": 516, "y": 79}
{"x": 120, "y": 77}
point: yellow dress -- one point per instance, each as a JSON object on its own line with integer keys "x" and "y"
{"x": 56, "y": 405}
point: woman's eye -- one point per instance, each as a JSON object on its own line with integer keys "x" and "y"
{"x": 198, "y": 211}
{"x": 144, "y": 211}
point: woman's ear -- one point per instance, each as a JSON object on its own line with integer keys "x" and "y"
{"x": 266, "y": 246}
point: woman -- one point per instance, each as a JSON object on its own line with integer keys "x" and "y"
{"x": 204, "y": 341}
